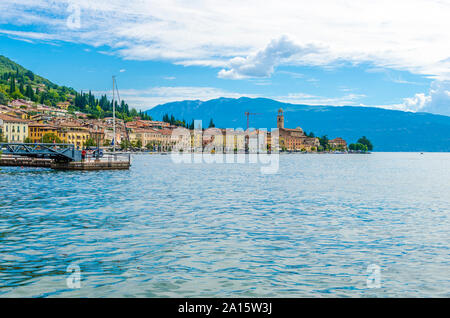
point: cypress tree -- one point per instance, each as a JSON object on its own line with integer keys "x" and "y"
{"x": 12, "y": 85}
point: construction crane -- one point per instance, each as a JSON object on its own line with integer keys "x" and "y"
{"x": 248, "y": 117}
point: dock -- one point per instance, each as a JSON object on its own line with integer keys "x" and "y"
{"x": 91, "y": 165}
{"x": 108, "y": 162}
{"x": 25, "y": 162}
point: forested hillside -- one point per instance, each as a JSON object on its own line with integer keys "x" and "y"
{"x": 16, "y": 82}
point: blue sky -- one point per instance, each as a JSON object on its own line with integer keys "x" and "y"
{"x": 337, "y": 53}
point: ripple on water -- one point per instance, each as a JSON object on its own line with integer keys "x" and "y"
{"x": 168, "y": 230}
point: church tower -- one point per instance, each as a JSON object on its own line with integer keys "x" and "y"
{"x": 280, "y": 119}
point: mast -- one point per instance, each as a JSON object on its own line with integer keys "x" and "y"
{"x": 114, "y": 116}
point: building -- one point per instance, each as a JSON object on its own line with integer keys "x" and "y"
{"x": 72, "y": 133}
{"x": 21, "y": 103}
{"x": 294, "y": 139}
{"x": 147, "y": 124}
{"x": 63, "y": 105}
{"x": 156, "y": 139}
{"x": 36, "y": 131}
{"x": 13, "y": 129}
{"x": 338, "y": 143}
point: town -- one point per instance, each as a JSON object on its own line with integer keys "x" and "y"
{"x": 33, "y": 110}
{"x": 24, "y": 121}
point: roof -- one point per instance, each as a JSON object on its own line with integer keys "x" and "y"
{"x": 11, "y": 119}
{"x": 40, "y": 125}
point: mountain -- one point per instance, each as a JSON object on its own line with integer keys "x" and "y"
{"x": 389, "y": 130}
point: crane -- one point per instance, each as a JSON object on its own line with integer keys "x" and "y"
{"x": 248, "y": 117}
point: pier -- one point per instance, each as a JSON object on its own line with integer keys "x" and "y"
{"x": 59, "y": 157}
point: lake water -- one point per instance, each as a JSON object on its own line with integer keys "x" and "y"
{"x": 324, "y": 226}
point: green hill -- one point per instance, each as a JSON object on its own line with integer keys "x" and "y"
{"x": 16, "y": 82}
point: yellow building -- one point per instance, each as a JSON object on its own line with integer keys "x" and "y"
{"x": 36, "y": 131}
{"x": 13, "y": 129}
{"x": 158, "y": 138}
{"x": 63, "y": 105}
{"x": 72, "y": 134}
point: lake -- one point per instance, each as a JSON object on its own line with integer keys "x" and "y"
{"x": 374, "y": 225}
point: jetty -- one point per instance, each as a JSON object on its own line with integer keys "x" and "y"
{"x": 59, "y": 157}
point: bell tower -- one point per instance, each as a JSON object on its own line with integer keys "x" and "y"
{"x": 280, "y": 119}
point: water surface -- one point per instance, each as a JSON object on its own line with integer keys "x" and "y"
{"x": 220, "y": 230}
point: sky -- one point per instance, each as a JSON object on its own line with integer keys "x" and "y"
{"x": 389, "y": 54}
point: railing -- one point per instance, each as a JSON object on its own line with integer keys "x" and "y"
{"x": 109, "y": 157}
{"x": 62, "y": 152}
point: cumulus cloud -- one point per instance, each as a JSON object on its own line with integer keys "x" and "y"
{"x": 263, "y": 62}
{"x": 437, "y": 100}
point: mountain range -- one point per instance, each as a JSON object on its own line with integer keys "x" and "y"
{"x": 389, "y": 130}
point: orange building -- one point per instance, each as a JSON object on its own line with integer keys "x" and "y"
{"x": 294, "y": 139}
{"x": 36, "y": 131}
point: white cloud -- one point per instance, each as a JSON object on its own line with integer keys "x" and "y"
{"x": 437, "y": 100}
{"x": 404, "y": 34}
{"x": 263, "y": 62}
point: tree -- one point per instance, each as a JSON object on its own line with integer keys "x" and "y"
{"x": 211, "y": 124}
{"x": 30, "y": 75}
{"x": 50, "y": 138}
{"x": 29, "y": 92}
{"x": 16, "y": 94}
{"x": 4, "y": 99}
{"x": 364, "y": 141}
{"x": 106, "y": 143}
{"x": 358, "y": 147}
{"x": 125, "y": 144}
{"x": 89, "y": 143}
{"x": 324, "y": 142}
{"x": 12, "y": 85}
{"x": 138, "y": 144}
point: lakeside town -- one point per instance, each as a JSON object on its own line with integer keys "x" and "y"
{"x": 35, "y": 110}
{"x": 24, "y": 121}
